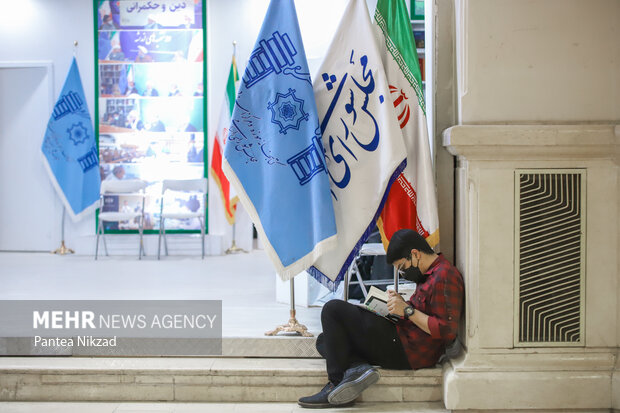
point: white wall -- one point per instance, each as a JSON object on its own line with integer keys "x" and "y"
{"x": 538, "y": 61}
{"x": 26, "y": 95}
{"x": 35, "y": 30}
{"x": 45, "y": 30}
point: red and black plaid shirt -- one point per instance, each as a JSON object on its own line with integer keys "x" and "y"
{"x": 441, "y": 298}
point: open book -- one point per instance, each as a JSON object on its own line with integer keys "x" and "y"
{"x": 376, "y": 301}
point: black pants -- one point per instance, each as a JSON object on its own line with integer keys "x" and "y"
{"x": 352, "y": 336}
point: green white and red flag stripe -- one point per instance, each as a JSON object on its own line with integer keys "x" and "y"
{"x": 412, "y": 201}
{"x": 229, "y": 200}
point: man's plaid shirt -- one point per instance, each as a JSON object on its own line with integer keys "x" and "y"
{"x": 441, "y": 298}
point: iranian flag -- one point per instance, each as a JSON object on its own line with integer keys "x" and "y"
{"x": 230, "y": 202}
{"x": 412, "y": 202}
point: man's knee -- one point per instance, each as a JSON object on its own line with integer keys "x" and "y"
{"x": 332, "y": 308}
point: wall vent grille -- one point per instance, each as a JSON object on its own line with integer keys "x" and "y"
{"x": 550, "y": 228}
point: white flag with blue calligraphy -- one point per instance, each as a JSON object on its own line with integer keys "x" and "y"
{"x": 364, "y": 146}
{"x": 273, "y": 156}
{"x": 69, "y": 149}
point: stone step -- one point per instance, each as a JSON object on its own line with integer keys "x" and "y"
{"x": 105, "y": 407}
{"x": 275, "y": 347}
{"x": 193, "y": 380}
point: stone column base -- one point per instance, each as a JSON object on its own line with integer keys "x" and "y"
{"x": 533, "y": 382}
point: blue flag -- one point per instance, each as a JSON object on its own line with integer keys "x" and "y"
{"x": 69, "y": 149}
{"x": 273, "y": 155}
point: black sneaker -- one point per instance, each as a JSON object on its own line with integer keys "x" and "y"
{"x": 319, "y": 400}
{"x": 355, "y": 381}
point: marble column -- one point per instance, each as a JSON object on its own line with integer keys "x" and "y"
{"x": 496, "y": 371}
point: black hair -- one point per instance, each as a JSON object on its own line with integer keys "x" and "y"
{"x": 403, "y": 241}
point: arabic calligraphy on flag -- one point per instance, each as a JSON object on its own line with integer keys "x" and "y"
{"x": 364, "y": 146}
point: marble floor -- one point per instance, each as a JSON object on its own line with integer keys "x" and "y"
{"x": 245, "y": 283}
{"x": 19, "y": 407}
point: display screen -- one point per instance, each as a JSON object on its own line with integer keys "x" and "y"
{"x": 151, "y": 103}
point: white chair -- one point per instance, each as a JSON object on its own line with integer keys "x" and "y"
{"x": 369, "y": 249}
{"x": 191, "y": 186}
{"x": 130, "y": 188}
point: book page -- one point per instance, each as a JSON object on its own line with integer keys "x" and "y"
{"x": 377, "y": 305}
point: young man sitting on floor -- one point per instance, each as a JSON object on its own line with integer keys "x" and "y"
{"x": 354, "y": 339}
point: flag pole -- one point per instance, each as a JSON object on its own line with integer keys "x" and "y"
{"x": 63, "y": 250}
{"x": 293, "y": 325}
{"x": 233, "y": 247}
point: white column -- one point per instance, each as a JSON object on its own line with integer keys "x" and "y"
{"x": 493, "y": 373}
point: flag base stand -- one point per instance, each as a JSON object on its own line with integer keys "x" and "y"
{"x": 293, "y": 325}
{"x": 234, "y": 249}
{"x": 63, "y": 250}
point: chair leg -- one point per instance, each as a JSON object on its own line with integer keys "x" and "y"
{"x": 202, "y": 234}
{"x": 347, "y": 278}
{"x": 105, "y": 243}
{"x": 159, "y": 239}
{"x": 97, "y": 244}
{"x": 358, "y": 275}
{"x": 141, "y": 249}
{"x": 165, "y": 239}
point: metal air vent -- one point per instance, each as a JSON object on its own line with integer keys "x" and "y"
{"x": 550, "y": 228}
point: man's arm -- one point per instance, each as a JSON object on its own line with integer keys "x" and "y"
{"x": 445, "y": 306}
{"x": 397, "y": 305}
{"x": 447, "y": 303}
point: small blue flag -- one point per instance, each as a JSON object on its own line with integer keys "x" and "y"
{"x": 274, "y": 155}
{"x": 70, "y": 151}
